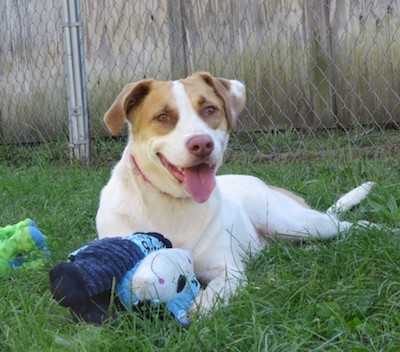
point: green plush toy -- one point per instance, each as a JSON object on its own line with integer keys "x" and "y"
{"x": 20, "y": 245}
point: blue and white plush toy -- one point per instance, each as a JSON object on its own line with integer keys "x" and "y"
{"x": 166, "y": 277}
{"x": 144, "y": 267}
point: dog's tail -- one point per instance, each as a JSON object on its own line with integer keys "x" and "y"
{"x": 350, "y": 199}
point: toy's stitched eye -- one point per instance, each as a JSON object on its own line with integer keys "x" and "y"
{"x": 181, "y": 283}
{"x": 209, "y": 110}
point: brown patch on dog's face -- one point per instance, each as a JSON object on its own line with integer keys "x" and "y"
{"x": 157, "y": 114}
{"x": 206, "y": 103}
{"x": 230, "y": 92}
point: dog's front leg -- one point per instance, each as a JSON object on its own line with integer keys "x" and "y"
{"x": 218, "y": 292}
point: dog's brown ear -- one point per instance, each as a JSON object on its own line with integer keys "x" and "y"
{"x": 130, "y": 97}
{"x": 232, "y": 93}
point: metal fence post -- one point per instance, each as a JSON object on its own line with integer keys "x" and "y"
{"x": 78, "y": 124}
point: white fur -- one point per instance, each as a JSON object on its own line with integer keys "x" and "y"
{"x": 351, "y": 199}
{"x": 221, "y": 232}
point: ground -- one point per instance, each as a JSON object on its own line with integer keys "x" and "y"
{"x": 340, "y": 295}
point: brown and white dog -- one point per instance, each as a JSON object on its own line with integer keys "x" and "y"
{"x": 166, "y": 182}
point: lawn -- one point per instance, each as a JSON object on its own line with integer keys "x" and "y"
{"x": 340, "y": 295}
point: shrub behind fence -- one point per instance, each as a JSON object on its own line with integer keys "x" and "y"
{"x": 310, "y": 66}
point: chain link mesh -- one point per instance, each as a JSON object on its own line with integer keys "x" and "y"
{"x": 315, "y": 71}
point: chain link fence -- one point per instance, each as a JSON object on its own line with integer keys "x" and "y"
{"x": 319, "y": 73}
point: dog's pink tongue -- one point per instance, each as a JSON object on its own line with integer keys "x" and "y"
{"x": 199, "y": 182}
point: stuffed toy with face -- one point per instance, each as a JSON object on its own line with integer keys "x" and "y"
{"x": 139, "y": 269}
{"x": 165, "y": 277}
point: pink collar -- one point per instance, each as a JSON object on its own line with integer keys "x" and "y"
{"x": 140, "y": 171}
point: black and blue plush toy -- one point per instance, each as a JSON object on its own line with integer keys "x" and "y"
{"x": 143, "y": 267}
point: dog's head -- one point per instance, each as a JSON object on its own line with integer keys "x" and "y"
{"x": 178, "y": 130}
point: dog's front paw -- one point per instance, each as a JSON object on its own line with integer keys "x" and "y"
{"x": 204, "y": 303}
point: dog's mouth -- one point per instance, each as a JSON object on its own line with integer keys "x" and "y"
{"x": 197, "y": 180}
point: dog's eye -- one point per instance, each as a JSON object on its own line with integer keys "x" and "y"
{"x": 209, "y": 110}
{"x": 163, "y": 118}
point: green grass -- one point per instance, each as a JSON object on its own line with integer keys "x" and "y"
{"x": 340, "y": 295}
